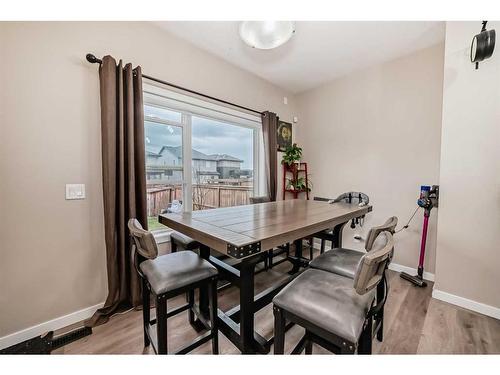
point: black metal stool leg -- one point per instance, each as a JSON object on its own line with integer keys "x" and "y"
{"x": 309, "y": 347}
{"x": 298, "y": 256}
{"x": 191, "y": 304}
{"x": 365, "y": 341}
{"x": 146, "y": 306}
{"x": 204, "y": 303}
{"x": 212, "y": 295}
{"x": 279, "y": 331}
{"x": 161, "y": 324}
{"x": 380, "y": 313}
{"x": 337, "y": 235}
{"x": 322, "y": 250}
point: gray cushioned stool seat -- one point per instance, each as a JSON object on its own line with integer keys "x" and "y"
{"x": 187, "y": 243}
{"x": 172, "y": 271}
{"x": 343, "y": 262}
{"x": 328, "y": 301}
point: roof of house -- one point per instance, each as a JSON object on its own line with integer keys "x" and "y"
{"x": 227, "y": 157}
{"x": 197, "y": 155}
{"x": 155, "y": 150}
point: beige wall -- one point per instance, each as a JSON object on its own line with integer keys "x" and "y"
{"x": 52, "y": 250}
{"x": 468, "y": 259}
{"x": 378, "y": 131}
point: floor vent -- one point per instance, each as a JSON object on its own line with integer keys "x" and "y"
{"x": 46, "y": 343}
{"x": 65, "y": 339}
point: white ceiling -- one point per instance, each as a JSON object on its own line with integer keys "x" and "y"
{"x": 317, "y": 53}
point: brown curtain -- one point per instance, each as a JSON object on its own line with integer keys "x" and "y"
{"x": 269, "y": 131}
{"x": 124, "y": 180}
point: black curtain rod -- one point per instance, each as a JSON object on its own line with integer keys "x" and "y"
{"x": 94, "y": 60}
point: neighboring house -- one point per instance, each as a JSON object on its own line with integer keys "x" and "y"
{"x": 164, "y": 165}
{"x": 204, "y": 167}
{"x": 228, "y": 166}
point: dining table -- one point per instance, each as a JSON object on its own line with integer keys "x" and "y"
{"x": 242, "y": 236}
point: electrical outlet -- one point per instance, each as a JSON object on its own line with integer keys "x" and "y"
{"x": 75, "y": 191}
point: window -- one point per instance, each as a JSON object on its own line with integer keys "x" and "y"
{"x": 164, "y": 177}
{"x": 198, "y": 154}
{"x": 219, "y": 143}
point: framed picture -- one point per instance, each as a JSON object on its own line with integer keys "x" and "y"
{"x": 284, "y": 135}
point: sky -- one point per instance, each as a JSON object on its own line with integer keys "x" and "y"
{"x": 209, "y": 136}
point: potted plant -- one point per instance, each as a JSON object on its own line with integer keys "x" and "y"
{"x": 292, "y": 154}
{"x": 299, "y": 184}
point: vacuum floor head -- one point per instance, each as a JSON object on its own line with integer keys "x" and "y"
{"x": 416, "y": 280}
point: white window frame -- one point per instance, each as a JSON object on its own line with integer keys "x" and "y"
{"x": 188, "y": 106}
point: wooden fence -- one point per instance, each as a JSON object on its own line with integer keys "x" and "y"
{"x": 158, "y": 197}
{"x": 205, "y": 196}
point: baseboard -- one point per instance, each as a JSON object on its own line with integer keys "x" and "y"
{"x": 468, "y": 304}
{"x": 51, "y": 325}
{"x": 412, "y": 271}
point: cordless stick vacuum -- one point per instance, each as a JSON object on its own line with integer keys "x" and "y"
{"x": 428, "y": 199}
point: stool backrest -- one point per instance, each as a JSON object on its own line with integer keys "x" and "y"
{"x": 261, "y": 199}
{"x": 144, "y": 241}
{"x": 351, "y": 196}
{"x": 372, "y": 265}
{"x": 389, "y": 226}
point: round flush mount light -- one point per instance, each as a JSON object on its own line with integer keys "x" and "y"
{"x": 482, "y": 45}
{"x": 266, "y": 34}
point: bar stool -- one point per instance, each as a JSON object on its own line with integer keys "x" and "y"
{"x": 349, "y": 197}
{"x": 335, "y": 311}
{"x": 168, "y": 276}
{"x": 344, "y": 262}
{"x": 179, "y": 241}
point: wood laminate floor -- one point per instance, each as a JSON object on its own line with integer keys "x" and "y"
{"x": 415, "y": 323}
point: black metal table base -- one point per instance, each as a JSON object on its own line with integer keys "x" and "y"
{"x": 237, "y": 324}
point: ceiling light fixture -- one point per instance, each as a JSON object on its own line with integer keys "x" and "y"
{"x": 266, "y": 34}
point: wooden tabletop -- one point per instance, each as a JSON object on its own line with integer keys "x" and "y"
{"x": 240, "y": 231}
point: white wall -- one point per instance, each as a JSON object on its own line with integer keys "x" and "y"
{"x": 378, "y": 131}
{"x": 52, "y": 250}
{"x": 468, "y": 242}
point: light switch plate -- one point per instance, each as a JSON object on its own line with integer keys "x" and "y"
{"x": 75, "y": 191}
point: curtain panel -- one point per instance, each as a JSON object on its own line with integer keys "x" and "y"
{"x": 269, "y": 131}
{"x": 124, "y": 180}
